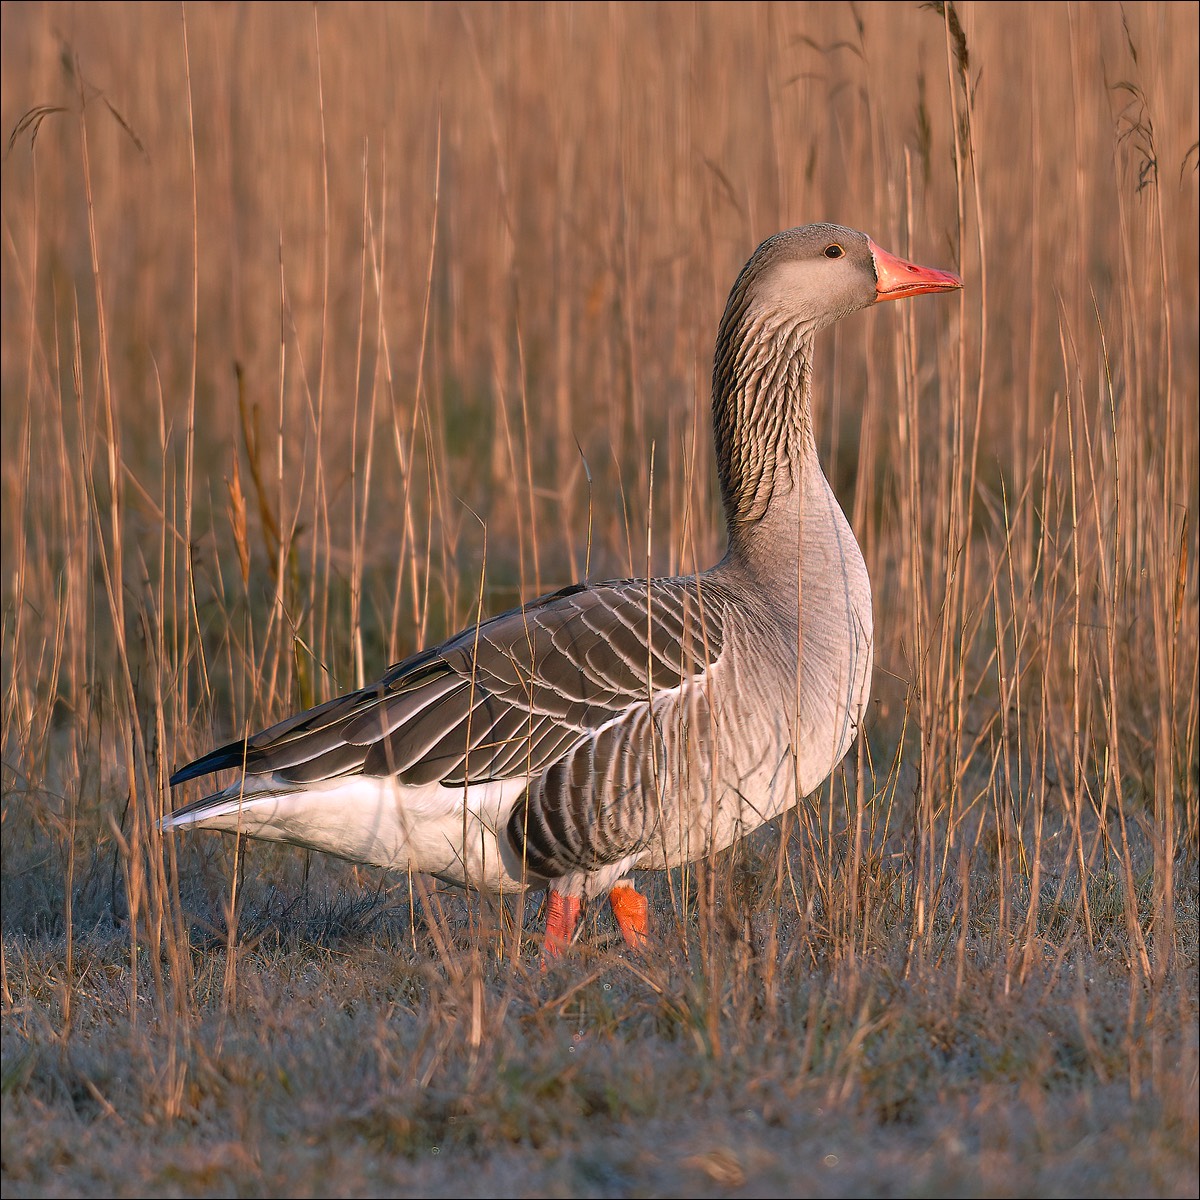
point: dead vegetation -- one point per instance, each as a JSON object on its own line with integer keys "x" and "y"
{"x": 319, "y": 325}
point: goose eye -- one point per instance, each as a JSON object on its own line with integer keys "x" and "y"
{"x": 833, "y": 250}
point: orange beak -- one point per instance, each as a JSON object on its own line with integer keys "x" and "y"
{"x": 896, "y": 278}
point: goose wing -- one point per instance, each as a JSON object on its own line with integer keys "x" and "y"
{"x": 505, "y": 698}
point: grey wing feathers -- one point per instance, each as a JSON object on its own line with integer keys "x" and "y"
{"x": 509, "y": 697}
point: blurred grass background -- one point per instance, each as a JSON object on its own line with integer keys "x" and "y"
{"x": 323, "y": 327}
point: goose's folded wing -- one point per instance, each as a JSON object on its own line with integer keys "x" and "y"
{"x": 505, "y": 698}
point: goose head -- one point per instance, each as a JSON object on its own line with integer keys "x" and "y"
{"x": 814, "y": 275}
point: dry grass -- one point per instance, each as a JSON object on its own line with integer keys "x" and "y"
{"x": 318, "y": 325}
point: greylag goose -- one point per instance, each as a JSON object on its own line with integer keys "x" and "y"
{"x": 636, "y": 723}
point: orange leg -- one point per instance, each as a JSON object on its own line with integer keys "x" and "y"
{"x": 630, "y": 908}
{"x": 561, "y": 919}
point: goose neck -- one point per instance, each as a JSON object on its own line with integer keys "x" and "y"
{"x": 762, "y": 428}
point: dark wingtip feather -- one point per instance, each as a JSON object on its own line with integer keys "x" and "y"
{"x": 232, "y": 756}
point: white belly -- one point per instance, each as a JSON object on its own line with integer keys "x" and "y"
{"x": 447, "y": 832}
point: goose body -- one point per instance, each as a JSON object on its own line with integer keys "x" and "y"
{"x": 627, "y": 724}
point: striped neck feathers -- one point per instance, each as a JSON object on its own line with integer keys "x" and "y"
{"x": 762, "y": 415}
